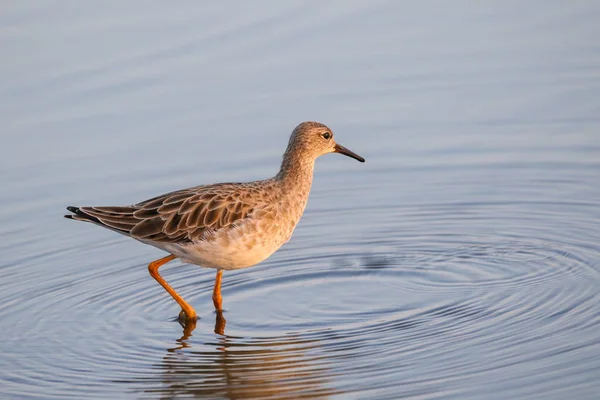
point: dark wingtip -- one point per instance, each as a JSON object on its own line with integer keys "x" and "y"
{"x": 74, "y": 210}
{"x": 81, "y": 216}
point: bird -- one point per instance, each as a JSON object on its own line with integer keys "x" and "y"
{"x": 224, "y": 226}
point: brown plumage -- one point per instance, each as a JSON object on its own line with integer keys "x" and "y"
{"x": 183, "y": 216}
{"x": 226, "y": 225}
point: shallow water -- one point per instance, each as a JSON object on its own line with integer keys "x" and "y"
{"x": 461, "y": 261}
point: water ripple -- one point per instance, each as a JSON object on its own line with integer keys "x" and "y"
{"x": 417, "y": 305}
{"x": 461, "y": 261}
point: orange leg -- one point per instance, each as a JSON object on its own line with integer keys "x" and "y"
{"x": 217, "y": 299}
{"x": 153, "y": 268}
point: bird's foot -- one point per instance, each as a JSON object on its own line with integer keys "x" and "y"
{"x": 184, "y": 317}
{"x": 188, "y": 323}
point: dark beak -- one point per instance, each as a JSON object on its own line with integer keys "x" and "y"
{"x": 342, "y": 150}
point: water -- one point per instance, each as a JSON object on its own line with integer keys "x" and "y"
{"x": 461, "y": 261}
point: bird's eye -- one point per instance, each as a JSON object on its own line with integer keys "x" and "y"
{"x": 326, "y": 135}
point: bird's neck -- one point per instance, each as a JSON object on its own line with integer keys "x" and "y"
{"x": 296, "y": 173}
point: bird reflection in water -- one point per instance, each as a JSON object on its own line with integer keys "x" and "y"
{"x": 231, "y": 367}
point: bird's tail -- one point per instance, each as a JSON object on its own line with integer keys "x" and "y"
{"x": 79, "y": 215}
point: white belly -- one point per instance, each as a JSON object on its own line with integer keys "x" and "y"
{"x": 211, "y": 255}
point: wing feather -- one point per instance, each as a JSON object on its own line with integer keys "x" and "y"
{"x": 181, "y": 216}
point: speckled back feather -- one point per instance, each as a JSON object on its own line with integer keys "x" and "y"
{"x": 186, "y": 215}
